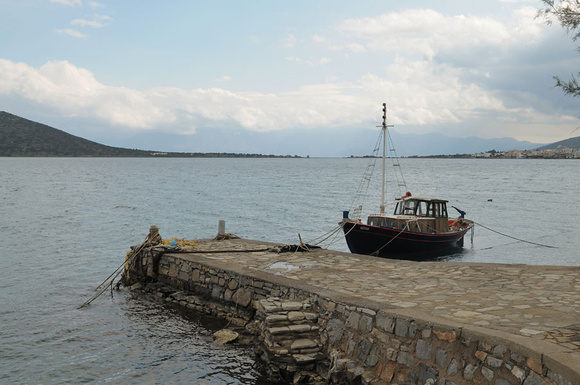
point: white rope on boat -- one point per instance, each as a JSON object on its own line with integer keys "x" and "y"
{"x": 392, "y": 239}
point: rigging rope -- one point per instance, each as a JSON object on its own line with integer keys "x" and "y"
{"x": 400, "y": 178}
{"x": 517, "y": 239}
{"x": 361, "y": 193}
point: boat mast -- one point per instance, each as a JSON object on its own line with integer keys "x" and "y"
{"x": 384, "y": 156}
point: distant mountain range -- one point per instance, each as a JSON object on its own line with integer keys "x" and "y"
{"x": 321, "y": 142}
{"x": 23, "y": 137}
{"x": 566, "y": 143}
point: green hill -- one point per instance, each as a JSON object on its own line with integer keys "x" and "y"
{"x": 566, "y": 143}
{"x": 23, "y": 137}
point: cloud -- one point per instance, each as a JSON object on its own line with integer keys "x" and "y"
{"x": 310, "y": 62}
{"x": 71, "y": 3}
{"x": 421, "y": 98}
{"x": 72, "y": 32}
{"x": 74, "y": 91}
{"x": 319, "y": 39}
{"x": 427, "y": 33}
{"x": 435, "y": 71}
{"x": 289, "y": 41}
{"x": 98, "y": 21}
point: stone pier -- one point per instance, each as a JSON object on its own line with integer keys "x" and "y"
{"x": 324, "y": 316}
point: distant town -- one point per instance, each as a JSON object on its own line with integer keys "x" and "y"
{"x": 558, "y": 153}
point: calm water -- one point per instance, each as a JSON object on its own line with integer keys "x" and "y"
{"x": 67, "y": 223}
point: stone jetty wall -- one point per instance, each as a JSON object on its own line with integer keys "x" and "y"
{"x": 306, "y": 336}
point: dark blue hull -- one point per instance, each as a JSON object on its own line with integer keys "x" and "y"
{"x": 389, "y": 242}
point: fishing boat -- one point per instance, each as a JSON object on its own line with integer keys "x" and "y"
{"x": 418, "y": 226}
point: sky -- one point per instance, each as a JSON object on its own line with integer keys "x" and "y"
{"x": 116, "y": 71}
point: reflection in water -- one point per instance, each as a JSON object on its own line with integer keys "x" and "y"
{"x": 180, "y": 342}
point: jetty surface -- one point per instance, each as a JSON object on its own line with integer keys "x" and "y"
{"x": 534, "y": 310}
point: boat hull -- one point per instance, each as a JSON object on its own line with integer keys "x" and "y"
{"x": 390, "y": 243}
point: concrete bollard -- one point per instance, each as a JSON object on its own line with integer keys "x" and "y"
{"x": 221, "y": 227}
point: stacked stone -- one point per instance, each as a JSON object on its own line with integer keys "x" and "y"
{"x": 289, "y": 338}
{"x": 371, "y": 347}
{"x": 362, "y": 345}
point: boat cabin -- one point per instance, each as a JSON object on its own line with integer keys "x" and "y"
{"x": 422, "y": 215}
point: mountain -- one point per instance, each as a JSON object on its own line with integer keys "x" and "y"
{"x": 566, "y": 143}
{"x": 321, "y": 142}
{"x": 23, "y": 137}
{"x": 438, "y": 144}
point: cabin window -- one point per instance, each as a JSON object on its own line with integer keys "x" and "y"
{"x": 437, "y": 210}
{"x": 410, "y": 207}
{"x": 431, "y": 209}
{"x": 399, "y": 208}
{"x": 373, "y": 222}
{"x": 421, "y": 208}
{"x": 405, "y": 208}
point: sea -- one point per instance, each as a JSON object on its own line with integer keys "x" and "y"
{"x": 67, "y": 223}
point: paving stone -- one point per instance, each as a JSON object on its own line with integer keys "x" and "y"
{"x": 335, "y": 329}
{"x": 441, "y": 357}
{"x": 534, "y": 302}
{"x": 353, "y": 320}
{"x": 423, "y": 350}
{"x": 401, "y": 327}
{"x": 518, "y": 373}
{"x": 427, "y": 373}
{"x": 487, "y": 373}
{"x": 365, "y": 324}
{"x": 363, "y": 349}
{"x": 373, "y": 357}
{"x": 469, "y": 371}
{"x": 494, "y": 362}
{"x": 295, "y": 316}
{"x": 291, "y": 306}
{"x": 534, "y": 379}
{"x": 303, "y": 343}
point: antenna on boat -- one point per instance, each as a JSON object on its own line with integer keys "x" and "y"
{"x": 384, "y": 149}
{"x": 384, "y": 127}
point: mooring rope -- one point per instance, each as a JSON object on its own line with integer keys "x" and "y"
{"x": 193, "y": 251}
{"x": 103, "y": 289}
{"x": 106, "y": 280}
{"x": 517, "y": 239}
{"x": 336, "y": 232}
{"x": 324, "y": 237}
{"x": 392, "y": 239}
{"x": 336, "y": 236}
{"x": 109, "y": 281}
